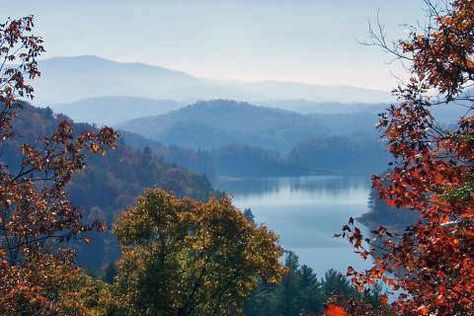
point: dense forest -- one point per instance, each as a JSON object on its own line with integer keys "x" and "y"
{"x": 340, "y": 154}
{"x": 108, "y": 184}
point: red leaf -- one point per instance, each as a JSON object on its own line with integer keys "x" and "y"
{"x": 335, "y": 310}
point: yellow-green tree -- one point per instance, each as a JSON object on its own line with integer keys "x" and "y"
{"x": 184, "y": 257}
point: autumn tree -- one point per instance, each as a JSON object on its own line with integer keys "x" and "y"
{"x": 431, "y": 264}
{"x": 36, "y": 216}
{"x": 184, "y": 257}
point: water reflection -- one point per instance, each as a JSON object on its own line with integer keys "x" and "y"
{"x": 311, "y": 184}
{"x": 306, "y": 212}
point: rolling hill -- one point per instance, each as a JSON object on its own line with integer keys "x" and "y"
{"x": 212, "y": 124}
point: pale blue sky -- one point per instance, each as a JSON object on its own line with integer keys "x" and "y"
{"x": 301, "y": 40}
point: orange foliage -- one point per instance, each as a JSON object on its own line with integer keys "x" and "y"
{"x": 432, "y": 262}
{"x": 335, "y": 310}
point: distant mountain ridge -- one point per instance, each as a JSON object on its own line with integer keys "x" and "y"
{"x": 310, "y": 107}
{"x": 224, "y": 130}
{"x": 112, "y": 110}
{"x": 69, "y": 79}
{"x": 212, "y": 124}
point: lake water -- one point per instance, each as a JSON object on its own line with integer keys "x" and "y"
{"x": 306, "y": 212}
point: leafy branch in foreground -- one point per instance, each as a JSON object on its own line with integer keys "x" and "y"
{"x": 431, "y": 264}
{"x": 36, "y": 216}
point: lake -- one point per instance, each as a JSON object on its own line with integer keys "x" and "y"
{"x": 306, "y": 212}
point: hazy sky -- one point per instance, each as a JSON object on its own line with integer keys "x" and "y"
{"x": 312, "y": 41}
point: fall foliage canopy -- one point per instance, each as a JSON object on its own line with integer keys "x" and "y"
{"x": 183, "y": 257}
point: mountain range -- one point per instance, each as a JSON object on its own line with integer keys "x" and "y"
{"x": 96, "y": 90}
{"x": 69, "y": 79}
{"x": 212, "y": 124}
{"x": 225, "y": 137}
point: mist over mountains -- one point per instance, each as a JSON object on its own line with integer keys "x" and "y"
{"x": 220, "y": 127}
{"x": 324, "y": 107}
{"x": 272, "y": 128}
{"x": 69, "y": 79}
{"x": 96, "y": 90}
{"x": 112, "y": 110}
{"x": 225, "y": 137}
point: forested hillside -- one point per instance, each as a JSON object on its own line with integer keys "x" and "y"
{"x": 211, "y": 124}
{"x": 343, "y": 154}
{"x": 224, "y": 137}
{"x": 108, "y": 184}
{"x": 233, "y": 160}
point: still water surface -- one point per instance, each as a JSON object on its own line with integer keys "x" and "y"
{"x": 306, "y": 212}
